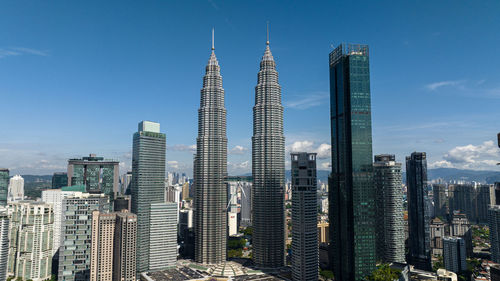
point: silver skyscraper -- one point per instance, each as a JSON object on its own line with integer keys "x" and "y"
{"x": 210, "y": 169}
{"x": 268, "y": 167}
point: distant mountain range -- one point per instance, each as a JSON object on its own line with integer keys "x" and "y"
{"x": 447, "y": 174}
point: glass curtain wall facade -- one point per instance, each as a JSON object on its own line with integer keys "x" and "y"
{"x": 4, "y": 186}
{"x": 351, "y": 194}
{"x": 148, "y": 187}
{"x": 97, "y": 174}
{"x": 59, "y": 180}
{"x": 418, "y": 214}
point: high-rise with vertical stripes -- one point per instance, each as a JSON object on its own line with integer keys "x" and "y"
{"x": 4, "y": 242}
{"x": 268, "y": 168}
{"x": 389, "y": 209}
{"x": 210, "y": 169}
{"x": 148, "y": 177}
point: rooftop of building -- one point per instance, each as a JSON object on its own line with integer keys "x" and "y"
{"x": 436, "y": 220}
{"x": 230, "y": 270}
{"x": 451, "y": 238}
{"x": 347, "y": 50}
{"x": 92, "y": 158}
{"x": 79, "y": 188}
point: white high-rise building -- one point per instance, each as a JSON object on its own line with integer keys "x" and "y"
{"x": 55, "y": 197}
{"x": 30, "y": 248}
{"x": 16, "y": 188}
{"x": 390, "y": 242}
{"x": 162, "y": 236}
{"x": 232, "y": 221}
{"x": 4, "y": 243}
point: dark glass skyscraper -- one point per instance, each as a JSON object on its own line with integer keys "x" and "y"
{"x": 351, "y": 188}
{"x": 210, "y": 217}
{"x": 268, "y": 168}
{"x": 304, "y": 217}
{"x": 59, "y": 180}
{"x": 4, "y": 186}
{"x": 418, "y": 215}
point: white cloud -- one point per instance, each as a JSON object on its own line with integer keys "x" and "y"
{"x": 308, "y": 101}
{"x": 18, "y": 51}
{"x": 323, "y": 150}
{"x": 326, "y": 165}
{"x": 440, "y": 164}
{"x": 173, "y": 164}
{"x": 436, "y": 85}
{"x": 239, "y": 168}
{"x": 238, "y": 150}
{"x": 476, "y": 157}
{"x": 301, "y": 146}
{"x": 183, "y": 147}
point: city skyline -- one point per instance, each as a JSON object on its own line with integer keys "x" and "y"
{"x": 120, "y": 64}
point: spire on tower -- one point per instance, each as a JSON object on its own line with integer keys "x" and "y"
{"x": 213, "y": 39}
{"x": 267, "y": 42}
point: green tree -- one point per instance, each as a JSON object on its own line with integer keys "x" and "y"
{"x": 236, "y": 243}
{"x": 438, "y": 264}
{"x": 327, "y": 274}
{"x": 248, "y": 231}
{"x": 384, "y": 273}
{"x": 236, "y": 253}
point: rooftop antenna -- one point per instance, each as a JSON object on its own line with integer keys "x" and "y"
{"x": 213, "y": 39}
{"x": 267, "y": 42}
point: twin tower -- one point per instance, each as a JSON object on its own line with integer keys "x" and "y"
{"x": 268, "y": 169}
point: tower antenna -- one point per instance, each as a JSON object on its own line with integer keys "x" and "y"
{"x": 267, "y": 42}
{"x": 213, "y": 39}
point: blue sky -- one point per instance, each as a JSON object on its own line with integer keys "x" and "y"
{"x": 77, "y": 76}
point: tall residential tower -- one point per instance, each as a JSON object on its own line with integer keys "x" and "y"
{"x": 210, "y": 169}
{"x": 351, "y": 190}
{"x": 389, "y": 213}
{"x": 268, "y": 168}
{"x": 4, "y": 242}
